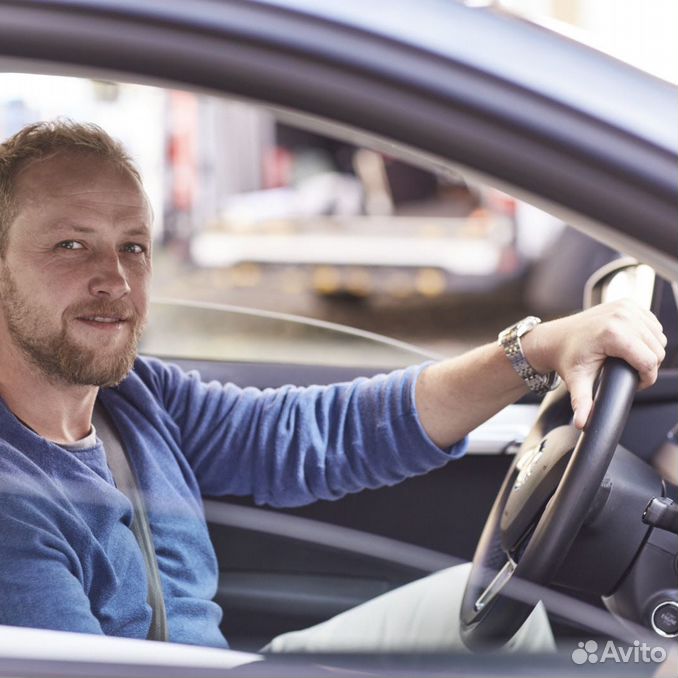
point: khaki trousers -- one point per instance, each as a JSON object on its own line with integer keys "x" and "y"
{"x": 418, "y": 617}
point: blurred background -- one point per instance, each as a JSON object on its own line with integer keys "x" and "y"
{"x": 254, "y": 212}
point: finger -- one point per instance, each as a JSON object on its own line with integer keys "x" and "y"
{"x": 648, "y": 380}
{"x": 648, "y": 376}
{"x": 581, "y": 397}
{"x": 655, "y": 326}
{"x": 632, "y": 313}
{"x": 637, "y": 354}
{"x": 653, "y": 342}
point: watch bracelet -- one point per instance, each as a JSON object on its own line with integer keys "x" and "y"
{"x": 536, "y": 382}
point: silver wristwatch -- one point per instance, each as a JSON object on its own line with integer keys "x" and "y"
{"x": 510, "y": 342}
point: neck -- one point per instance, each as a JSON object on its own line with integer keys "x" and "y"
{"x": 55, "y": 410}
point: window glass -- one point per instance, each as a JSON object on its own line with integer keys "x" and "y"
{"x": 255, "y": 213}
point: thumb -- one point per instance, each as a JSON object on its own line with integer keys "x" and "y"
{"x": 581, "y": 396}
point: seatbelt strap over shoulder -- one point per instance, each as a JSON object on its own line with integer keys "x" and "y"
{"x": 126, "y": 481}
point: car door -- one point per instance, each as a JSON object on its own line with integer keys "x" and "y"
{"x": 286, "y": 569}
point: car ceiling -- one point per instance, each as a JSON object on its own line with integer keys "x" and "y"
{"x": 585, "y": 136}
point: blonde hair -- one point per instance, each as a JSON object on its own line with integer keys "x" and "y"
{"x": 42, "y": 139}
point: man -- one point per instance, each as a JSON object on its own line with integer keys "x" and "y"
{"x": 75, "y": 267}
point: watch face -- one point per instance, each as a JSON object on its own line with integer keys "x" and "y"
{"x": 526, "y": 324}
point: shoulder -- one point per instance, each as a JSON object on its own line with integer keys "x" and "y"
{"x": 25, "y": 486}
{"x": 16, "y": 463}
{"x": 151, "y": 378}
{"x": 154, "y": 390}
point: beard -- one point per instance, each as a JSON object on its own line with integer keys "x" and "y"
{"x": 59, "y": 356}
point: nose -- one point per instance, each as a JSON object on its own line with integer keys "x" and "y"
{"x": 109, "y": 278}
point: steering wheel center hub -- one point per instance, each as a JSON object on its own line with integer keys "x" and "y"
{"x": 539, "y": 471}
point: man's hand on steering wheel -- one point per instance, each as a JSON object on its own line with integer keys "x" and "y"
{"x": 455, "y": 396}
{"x": 576, "y": 348}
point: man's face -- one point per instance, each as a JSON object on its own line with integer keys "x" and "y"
{"x": 74, "y": 280}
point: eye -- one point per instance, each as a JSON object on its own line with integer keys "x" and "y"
{"x": 134, "y": 248}
{"x": 70, "y": 245}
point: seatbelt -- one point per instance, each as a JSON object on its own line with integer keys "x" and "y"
{"x": 126, "y": 482}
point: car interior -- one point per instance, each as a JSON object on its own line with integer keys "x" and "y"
{"x": 272, "y": 583}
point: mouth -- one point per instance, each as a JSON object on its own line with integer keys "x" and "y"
{"x": 104, "y": 322}
{"x": 103, "y": 319}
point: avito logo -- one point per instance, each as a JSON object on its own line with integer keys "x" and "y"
{"x": 640, "y": 653}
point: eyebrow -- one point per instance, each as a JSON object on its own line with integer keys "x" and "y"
{"x": 86, "y": 229}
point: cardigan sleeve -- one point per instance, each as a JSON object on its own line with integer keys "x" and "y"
{"x": 290, "y": 446}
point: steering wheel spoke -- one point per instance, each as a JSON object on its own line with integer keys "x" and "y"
{"x": 494, "y": 588}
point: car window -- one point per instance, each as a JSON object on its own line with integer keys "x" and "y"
{"x": 254, "y": 212}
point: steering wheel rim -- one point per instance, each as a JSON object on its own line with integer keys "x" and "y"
{"x": 489, "y": 616}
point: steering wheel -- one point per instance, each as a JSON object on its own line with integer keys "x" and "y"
{"x": 543, "y": 502}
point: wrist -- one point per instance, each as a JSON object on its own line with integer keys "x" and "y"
{"x": 536, "y": 346}
{"x": 528, "y": 357}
